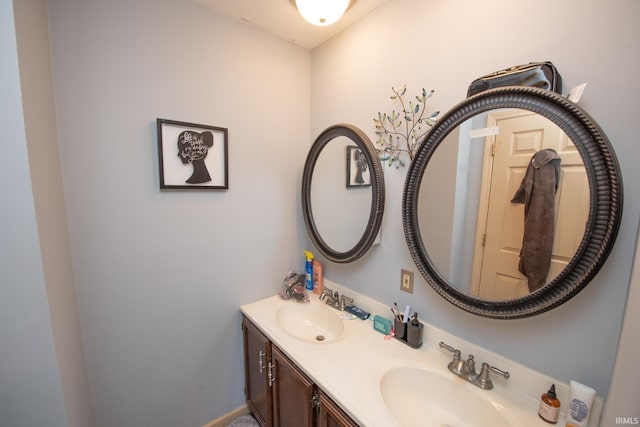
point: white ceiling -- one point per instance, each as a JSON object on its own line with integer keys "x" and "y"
{"x": 281, "y": 18}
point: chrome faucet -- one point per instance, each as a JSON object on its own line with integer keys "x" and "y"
{"x": 466, "y": 369}
{"x": 334, "y": 299}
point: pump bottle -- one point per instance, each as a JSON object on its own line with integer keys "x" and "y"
{"x": 549, "y": 406}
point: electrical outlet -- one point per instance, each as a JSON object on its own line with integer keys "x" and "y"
{"x": 406, "y": 281}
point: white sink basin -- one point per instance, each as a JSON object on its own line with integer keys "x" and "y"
{"x": 420, "y": 397}
{"x": 311, "y": 322}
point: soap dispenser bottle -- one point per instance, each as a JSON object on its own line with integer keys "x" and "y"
{"x": 549, "y": 406}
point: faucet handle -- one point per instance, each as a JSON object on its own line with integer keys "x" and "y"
{"x": 457, "y": 365}
{"x": 505, "y": 374}
{"x": 345, "y": 301}
{"x": 326, "y": 292}
{"x": 449, "y": 348}
{"x": 483, "y": 379}
{"x": 455, "y": 351}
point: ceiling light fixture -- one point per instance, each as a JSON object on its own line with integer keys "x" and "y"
{"x": 322, "y": 12}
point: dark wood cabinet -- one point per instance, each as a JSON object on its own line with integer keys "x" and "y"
{"x": 279, "y": 393}
{"x": 293, "y": 393}
{"x": 257, "y": 357}
{"x": 330, "y": 414}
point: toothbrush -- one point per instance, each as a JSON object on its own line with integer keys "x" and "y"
{"x": 397, "y": 311}
{"x": 406, "y": 314}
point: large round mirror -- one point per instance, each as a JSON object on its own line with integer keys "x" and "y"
{"x": 512, "y": 203}
{"x": 342, "y": 193}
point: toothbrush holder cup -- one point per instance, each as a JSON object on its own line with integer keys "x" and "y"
{"x": 409, "y": 333}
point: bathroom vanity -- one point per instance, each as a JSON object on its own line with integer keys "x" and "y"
{"x": 306, "y": 365}
{"x": 278, "y": 392}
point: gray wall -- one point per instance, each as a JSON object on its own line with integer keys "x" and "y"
{"x": 427, "y": 44}
{"x": 30, "y": 389}
{"x": 32, "y": 34}
{"x": 160, "y": 275}
{"x": 625, "y": 383}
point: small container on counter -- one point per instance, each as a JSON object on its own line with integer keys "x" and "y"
{"x": 579, "y": 406}
{"x": 409, "y": 332}
{"x": 400, "y": 330}
{"x": 414, "y": 332}
{"x": 308, "y": 269}
{"x": 549, "y": 406}
{"x": 317, "y": 277}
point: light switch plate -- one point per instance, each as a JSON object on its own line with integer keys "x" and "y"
{"x": 406, "y": 281}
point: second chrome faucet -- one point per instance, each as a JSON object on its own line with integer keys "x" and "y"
{"x": 467, "y": 369}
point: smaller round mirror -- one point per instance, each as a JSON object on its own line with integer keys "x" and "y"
{"x": 342, "y": 193}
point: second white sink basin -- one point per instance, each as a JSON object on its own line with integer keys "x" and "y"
{"x": 311, "y": 322}
{"x": 420, "y": 397}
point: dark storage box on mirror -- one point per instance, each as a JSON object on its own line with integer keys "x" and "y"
{"x": 538, "y": 74}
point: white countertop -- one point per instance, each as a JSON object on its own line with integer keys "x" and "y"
{"x": 350, "y": 369}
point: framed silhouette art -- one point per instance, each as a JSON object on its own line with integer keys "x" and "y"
{"x": 358, "y": 174}
{"x": 192, "y": 156}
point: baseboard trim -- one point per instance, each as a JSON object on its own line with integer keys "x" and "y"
{"x": 228, "y": 417}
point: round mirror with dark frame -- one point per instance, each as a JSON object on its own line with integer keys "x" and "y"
{"x": 342, "y": 193}
{"x": 512, "y": 203}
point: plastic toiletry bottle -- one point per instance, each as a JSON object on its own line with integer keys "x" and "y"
{"x": 579, "y": 406}
{"x": 549, "y": 406}
{"x": 308, "y": 268}
{"x": 317, "y": 277}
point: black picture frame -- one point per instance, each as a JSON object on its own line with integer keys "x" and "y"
{"x": 192, "y": 156}
{"x": 358, "y": 174}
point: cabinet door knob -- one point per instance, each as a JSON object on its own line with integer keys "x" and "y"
{"x": 261, "y": 355}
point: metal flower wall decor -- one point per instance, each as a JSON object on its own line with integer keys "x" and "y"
{"x": 403, "y": 131}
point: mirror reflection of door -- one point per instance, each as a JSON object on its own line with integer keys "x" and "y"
{"x": 500, "y": 223}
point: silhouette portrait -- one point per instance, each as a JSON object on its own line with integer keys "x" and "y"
{"x": 193, "y": 148}
{"x": 192, "y": 156}
{"x": 357, "y": 167}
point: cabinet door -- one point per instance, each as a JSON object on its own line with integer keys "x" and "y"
{"x": 292, "y": 393}
{"x": 331, "y": 415}
{"x": 257, "y": 354}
